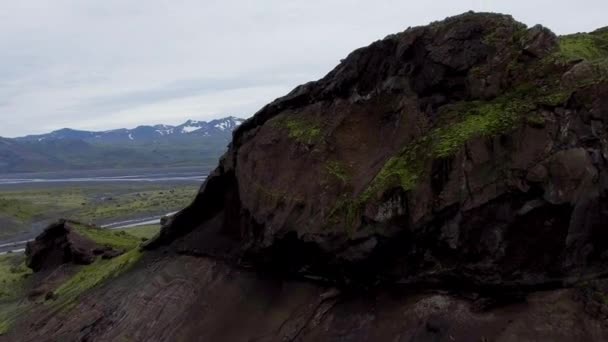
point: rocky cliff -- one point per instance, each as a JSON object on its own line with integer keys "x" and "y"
{"x": 471, "y": 151}
{"x": 444, "y": 183}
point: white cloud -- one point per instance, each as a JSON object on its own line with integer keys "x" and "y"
{"x": 115, "y": 63}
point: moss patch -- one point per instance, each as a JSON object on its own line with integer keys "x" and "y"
{"x": 458, "y": 123}
{"x": 346, "y": 211}
{"x": 338, "y": 170}
{"x": 300, "y": 129}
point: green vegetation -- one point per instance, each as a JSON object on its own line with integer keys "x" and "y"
{"x": 13, "y": 279}
{"x": 458, "y": 123}
{"x": 346, "y": 211}
{"x": 91, "y": 204}
{"x": 142, "y": 232}
{"x": 587, "y": 46}
{"x": 19, "y": 209}
{"x": 478, "y": 119}
{"x": 140, "y": 202}
{"x": 13, "y": 273}
{"x": 338, "y": 170}
{"x": 302, "y": 130}
{"x": 120, "y": 240}
{"x": 95, "y": 274}
{"x": 461, "y": 123}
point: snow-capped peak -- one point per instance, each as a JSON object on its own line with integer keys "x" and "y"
{"x": 221, "y": 127}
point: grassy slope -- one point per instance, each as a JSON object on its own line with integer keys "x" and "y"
{"x": 143, "y": 232}
{"x": 13, "y": 283}
{"x": 14, "y": 275}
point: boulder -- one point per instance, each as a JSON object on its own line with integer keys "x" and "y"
{"x": 60, "y": 244}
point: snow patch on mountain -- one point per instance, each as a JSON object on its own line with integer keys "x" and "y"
{"x": 189, "y": 129}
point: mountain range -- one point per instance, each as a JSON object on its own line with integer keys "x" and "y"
{"x": 191, "y": 143}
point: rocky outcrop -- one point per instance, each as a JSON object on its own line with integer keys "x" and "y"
{"x": 470, "y": 152}
{"x": 60, "y": 244}
{"x": 447, "y": 183}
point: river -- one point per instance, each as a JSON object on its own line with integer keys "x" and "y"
{"x": 170, "y": 175}
{"x": 19, "y": 246}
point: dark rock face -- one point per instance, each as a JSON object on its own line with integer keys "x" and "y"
{"x": 60, "y": 244}
{"x": 470, "y": 152}
{"x": 447, "y": 183}
{"x": 211, "y": 301}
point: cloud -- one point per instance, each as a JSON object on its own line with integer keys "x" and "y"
{"x": 114, "y": 63}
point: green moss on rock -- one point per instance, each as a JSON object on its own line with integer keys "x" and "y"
{"x": 467, "y": 120}
{"x": 458, "y": 124}
{"x": 338, "y": 170}
{"x": 300, "y": 129}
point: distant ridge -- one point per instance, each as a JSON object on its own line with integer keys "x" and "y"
{"x": 192, "y": 143}
{"x": 220, "y": 126}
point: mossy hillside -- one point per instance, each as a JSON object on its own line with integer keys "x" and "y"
{"x": 584, "y": 46}
{"x": 13, "y": 305}
{"x": 116, "y": 239}
{"x": 13, "y": 274}
{"x": 10, "y": 312}
{"x": 142, "y": 232}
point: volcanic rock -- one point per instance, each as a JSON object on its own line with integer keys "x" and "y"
{"x": 464, "y": 152}
{"x": 59, "y": 244}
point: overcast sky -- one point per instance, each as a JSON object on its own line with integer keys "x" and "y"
{"x": 118, "y": 63}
